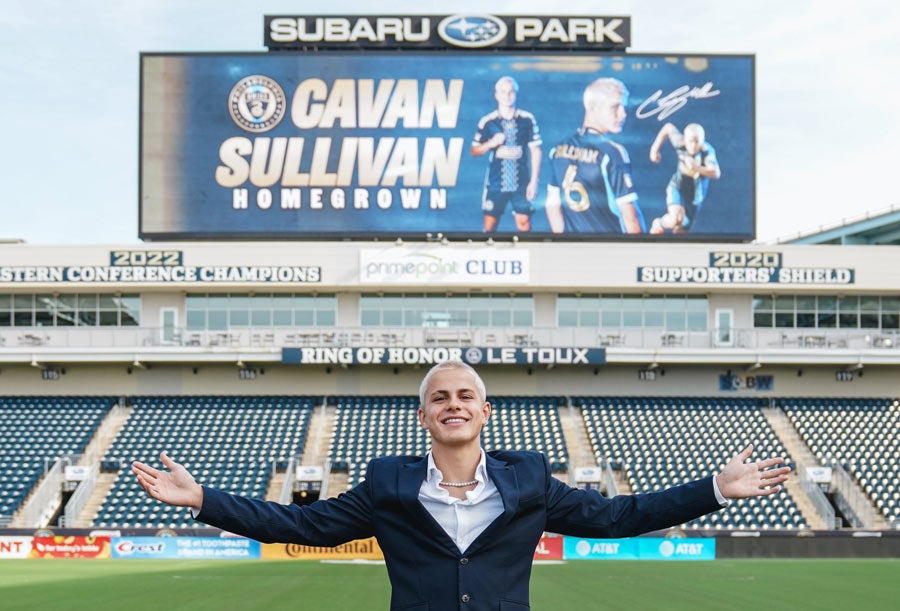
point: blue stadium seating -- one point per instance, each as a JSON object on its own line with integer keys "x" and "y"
{"x": 661, "y": 442}
{"x": 35, "y": 432}
{"x": 528, "y": 423}
{"x": 859, "y": 434}
{"x": 368, "y": 427}
{"x": 233, "y": 442}
{"x": 230, "y": 443}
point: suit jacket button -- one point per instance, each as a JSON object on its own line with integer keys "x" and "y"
{"x": 465, "y": 598}
{"x": 464, "y": 561}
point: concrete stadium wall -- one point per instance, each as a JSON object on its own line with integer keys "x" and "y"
{"x": 277, "y": 379}
{"x": 839, "y": 544}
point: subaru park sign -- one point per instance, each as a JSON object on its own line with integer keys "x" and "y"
{"x": 461, "y": 31}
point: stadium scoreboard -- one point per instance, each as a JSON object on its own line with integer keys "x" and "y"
{"x": 318, "y": 140}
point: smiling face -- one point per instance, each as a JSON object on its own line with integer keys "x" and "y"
{"x": 454, "y": 410}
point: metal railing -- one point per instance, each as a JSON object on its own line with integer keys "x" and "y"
{"x": 80, "y": 497}
{"x": 287, "y": 487}
{"x": 818, "y": 499}
{"x": 46, "y": 497}
{"x": 326, "y": 476}
{"x": 609, "y": 479}
{"x": 850, "y": 500}
{"x": 31, "y": 339}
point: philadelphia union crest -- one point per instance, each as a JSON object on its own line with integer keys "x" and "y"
{"x": 474, "y": 355}
{"x": 257, "y": 103}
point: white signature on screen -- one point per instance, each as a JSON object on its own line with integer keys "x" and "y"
{"x": 666, "y": 105}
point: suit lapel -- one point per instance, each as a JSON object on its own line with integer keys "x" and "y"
{"x": 410, "y": 481}
{"x": 504, "y": 477}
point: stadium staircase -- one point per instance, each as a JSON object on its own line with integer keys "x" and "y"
{"x": 578, "y": 444}
{"x": 100, "y": 442}
{"x": 315, "y": 453}
{"x": 315, "y": 450}
{"x": 802, "y": 458}
{"x": 97, "y": 448}
{"x": 318, "y": 444}
{"x": 106, "y": 433}
{"x": 273, "y": 492}
{"x": 104, "y": 484}
{"x": 321, "y": 428}
{"x": 338, "y": 481}
{"x": 576, "y": 436}
{"x": 858, "y": 437}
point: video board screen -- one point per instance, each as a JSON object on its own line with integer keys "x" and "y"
{"x": 386, "y": 145}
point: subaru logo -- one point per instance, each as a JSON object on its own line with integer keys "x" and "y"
{"x": 472, "y": 31}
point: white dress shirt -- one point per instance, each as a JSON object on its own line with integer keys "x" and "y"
{"x": 462, "y": 519}
{"x": 719, "y": 496}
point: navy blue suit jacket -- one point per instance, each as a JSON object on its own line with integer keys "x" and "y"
{"x": 426, "y": 569}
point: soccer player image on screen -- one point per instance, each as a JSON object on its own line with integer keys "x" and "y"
{"x": 590, "y": 188}
{"x": 687, "y": 189}
{"x": 511, "y": 136}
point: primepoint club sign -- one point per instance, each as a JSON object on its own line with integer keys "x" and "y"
{"x": 443, "y": 265}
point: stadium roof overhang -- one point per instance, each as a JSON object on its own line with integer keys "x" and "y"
{"x": 726, "y": 357}
{"x": 874, "y": 228}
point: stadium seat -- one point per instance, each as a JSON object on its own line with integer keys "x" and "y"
{"x": 231, "y": 443}
{"x": 858, "y": 434}
{"x": 37, "y": 431}
{"x": 368, "y": 427}
{"x": 661, "y": 442}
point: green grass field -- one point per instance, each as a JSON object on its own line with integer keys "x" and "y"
{"x": 135, "y": 585}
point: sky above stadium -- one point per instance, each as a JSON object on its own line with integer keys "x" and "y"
{"x": 827, "y": 97}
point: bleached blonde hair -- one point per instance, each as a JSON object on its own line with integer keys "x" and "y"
{"x": 443, "y": 366}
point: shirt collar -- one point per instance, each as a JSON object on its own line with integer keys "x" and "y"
{"x": 434, "y": 475}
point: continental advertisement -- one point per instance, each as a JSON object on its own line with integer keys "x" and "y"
{"x": 549, "y": 548}
{"x": 362, "y": 549}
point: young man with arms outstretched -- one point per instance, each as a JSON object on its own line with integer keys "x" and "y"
{"x": 460, "y": 525}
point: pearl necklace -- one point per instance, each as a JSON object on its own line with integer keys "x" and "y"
{"x": 459, "y": 484}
